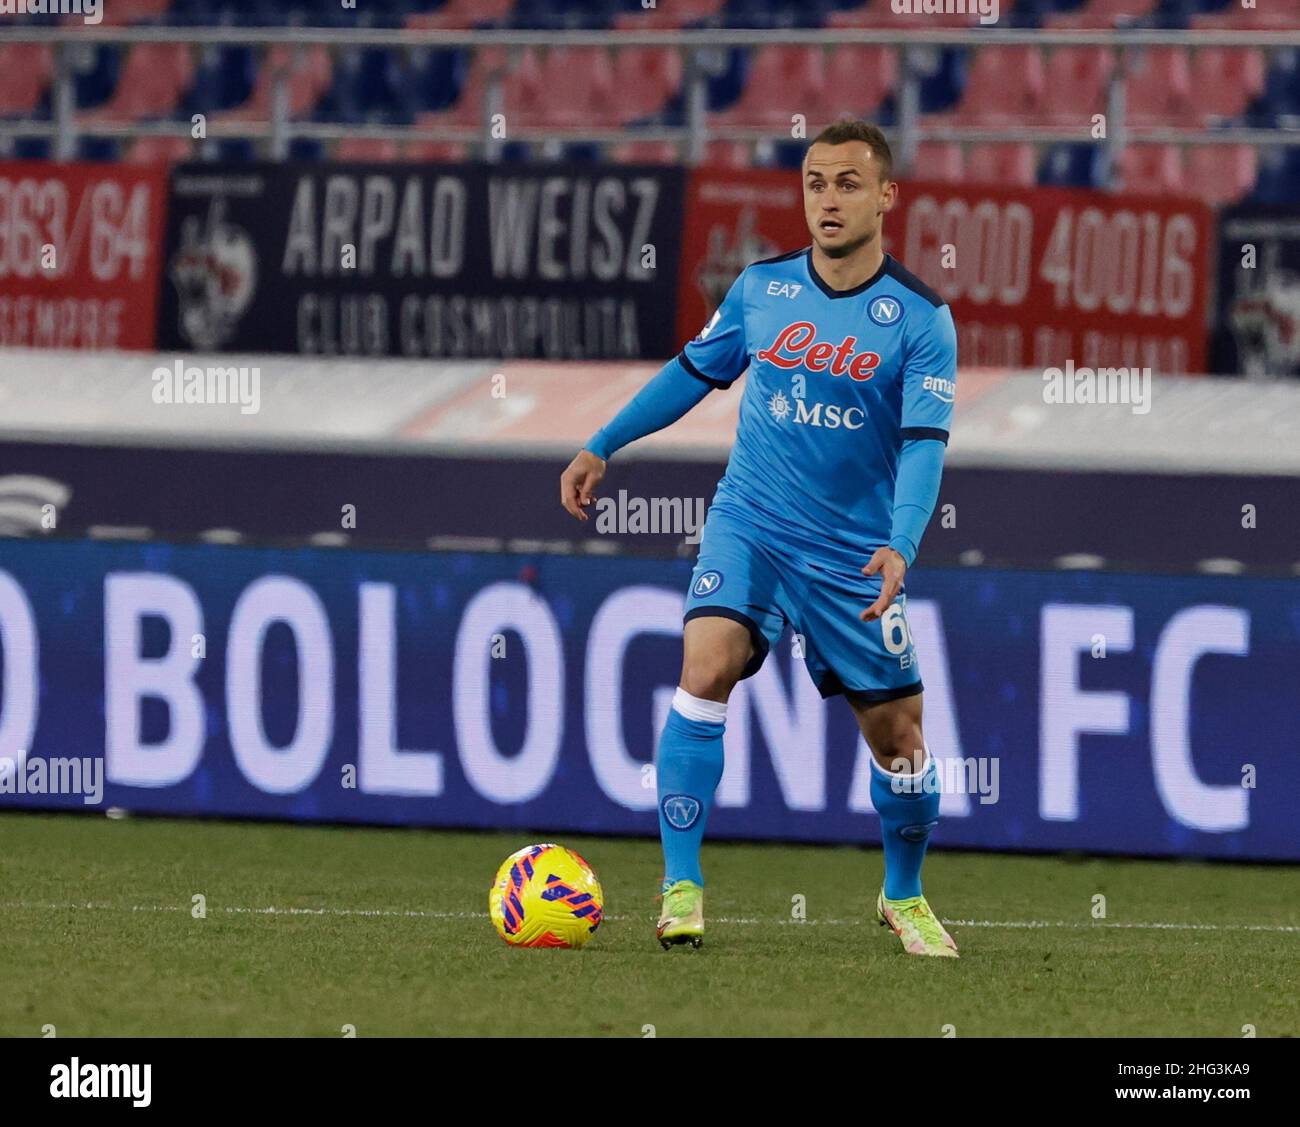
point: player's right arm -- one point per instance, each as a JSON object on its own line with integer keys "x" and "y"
{"x": 715, "y": 358}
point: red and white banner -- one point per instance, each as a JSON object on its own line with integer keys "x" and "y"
{"x": 80, "y": 246}
{"x": 1035, "y": 277}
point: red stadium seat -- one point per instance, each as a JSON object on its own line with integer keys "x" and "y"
{"x": 159, "y": 150}
{"x": 728, "y": 154}
{"x": 1077, "y": 86}
{"x": 645, "y": 152}
{"x": 1226, "y": 81}
{"x": 1151, "y": 169}
{"x": 154, "y": 78}
{"x": 677, "y": 13}
{"x": 1014, "y": 165}
{"x": 521, "y": 84}
{"x": 367, "y": 149}
{"x": 782, "y": 81}
{"x": 1159, "y": 87}
{"x": 858, "y": 78}
{"x": 937, "y": 160}
{"x": 436, "y": 152}
{"x": 25, "y": 70}
{"x": 1222, "y": 174}
{"x": 646, "y": 79}
{"x": 1102, "y": 14}
{"x": 575, "y": 88}
{"x": 1004, "y": 87}
{"x": 462, "y": 14}
{"x": 309, "y": 71}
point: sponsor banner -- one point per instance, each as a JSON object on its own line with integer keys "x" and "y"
{"x": 1035, "y": 277}
{"x": 1257, "y": 311}
{"x": 79, "y": 251}
{"x": 456, "y": 262}
{"x": 1113, "y": 713}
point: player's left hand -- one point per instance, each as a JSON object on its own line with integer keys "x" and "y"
{"x": 891, "y": 568}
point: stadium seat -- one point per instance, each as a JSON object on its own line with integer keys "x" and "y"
{"x": 1070, "y": 166}
{"x": 1150, "y": 170}
{"x": 463, "y": 14}
{"x": 120, "y": 13}
{"x": 97, "y": 148}
{"x": 435, "y": 152}
{"x": 1077, "y": 86}
{"x": 858, "y": 79}
{"x": 781, "y": 80}
{"x": 366, "y": 149}
{"x": 1279, "y": 173}
{"x": 775, "y": 14}
{"x": 562, "y": 15}
{"x": 645, "y": 152}
{"x": 154, "y": 80}
{"x": 1280, "y": 98}
{"x": 1222, "y": 174}
{"x": 95, "y": 71}
{"x": 224, "y": 78}
{"x": 1159, "y": 87}
{"x": 646, "y": 80}
{"x": 575, "y": 87}
{"x": 679, "y": 13}
{"x": 1225, "y": 80}
{"x": 308, "y": 76}
{"x": 1098, "y": 14}
{"x": 159, "y": 150}
{"x": 1264, "y": 16}
{"x": 436, "y": 76}
{"x": 1012, "y": 165}
{"x": 937, "y": 160}
{"x": 25, "y": 70}
{"x": 1004, "y": 86}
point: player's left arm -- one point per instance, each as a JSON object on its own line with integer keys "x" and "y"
{"x": 929, "y": 387}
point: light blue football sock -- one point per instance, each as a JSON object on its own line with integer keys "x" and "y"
{"x": 908, "y": 806}
{"x": 688, "y": 768}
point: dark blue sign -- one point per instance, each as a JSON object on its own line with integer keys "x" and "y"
{"x": 1104, "y": 712}
{"x": 555, "y": 262}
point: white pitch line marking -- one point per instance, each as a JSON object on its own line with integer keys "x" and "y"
{"x": 412, "y": 913}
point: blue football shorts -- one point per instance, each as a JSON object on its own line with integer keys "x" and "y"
{"x": 763, "y": 583}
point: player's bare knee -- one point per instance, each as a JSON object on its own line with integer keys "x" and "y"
{"x": 710, "y": 678}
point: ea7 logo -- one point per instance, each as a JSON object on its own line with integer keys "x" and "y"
{"x": 940, "y": 388}
{"x": 783, "y": 289}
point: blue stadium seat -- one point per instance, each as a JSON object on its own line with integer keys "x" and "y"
{"x": 776, "y": 14}
{"x": 224, "y": 78}
{"x": 31, "y": 148}
{"x": 1279, "y": 176}
{"x": 1071, "y": 166}
{"x": 97, "y": 148}
{"x": 96, "y": 70}
{"x": 559, "y": 15}
{"x": 1281, "y": 95}
{"x": 437, "y": 76}
{"x": 235, "y": 150}
{"x": 369, "y": 85}
{"x": 306, "y": 149}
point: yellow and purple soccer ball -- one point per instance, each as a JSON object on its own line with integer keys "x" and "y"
{"x": 546, "y": 896}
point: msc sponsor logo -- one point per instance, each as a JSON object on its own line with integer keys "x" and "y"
{"x": 940, "y": 388}
{"x": 707, "y": 584}
{"x": 796, "y": 346}
{"x": 832, "y": 416}
{"x": 681, "y": 811}
{"x": 886, "y": 310}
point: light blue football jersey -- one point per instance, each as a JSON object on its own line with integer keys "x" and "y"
{"x": 837, "y": 381}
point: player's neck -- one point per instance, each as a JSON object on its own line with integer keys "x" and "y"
{"x": 851, "y": 271}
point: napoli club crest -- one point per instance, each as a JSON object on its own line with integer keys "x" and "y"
{"x": 681, "y": 811}
{"x": 707, "y": 584}
{"x": 886, "y": 310}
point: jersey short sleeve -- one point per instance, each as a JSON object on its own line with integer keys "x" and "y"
{"x": 719, "y": 355}
{"x": 930, "y": 378}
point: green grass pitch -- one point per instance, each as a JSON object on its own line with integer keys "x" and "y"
{"x": 99, "y": 939}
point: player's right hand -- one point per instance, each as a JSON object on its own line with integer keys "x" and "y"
{"x": 579, "y": 481}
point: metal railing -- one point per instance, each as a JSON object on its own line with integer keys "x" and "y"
{"x": 702, "y": 59}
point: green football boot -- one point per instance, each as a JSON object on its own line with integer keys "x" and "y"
{"x": 682, "y": 918}
{"x": 916, "y": 926}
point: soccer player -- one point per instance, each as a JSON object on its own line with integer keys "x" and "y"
{"x": 831, "y": 481}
